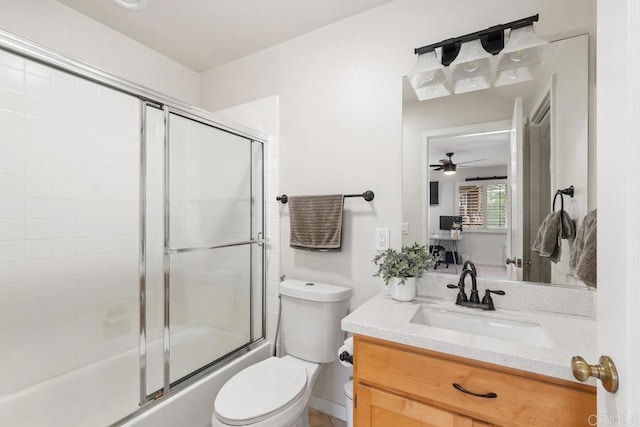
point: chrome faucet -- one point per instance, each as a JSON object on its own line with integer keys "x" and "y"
{"x": 469, "y": 269}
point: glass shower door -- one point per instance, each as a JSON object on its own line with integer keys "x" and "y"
{"x": 211, "y": 232}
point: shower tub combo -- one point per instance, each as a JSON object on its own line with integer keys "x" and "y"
{"x": 132, "y": 278}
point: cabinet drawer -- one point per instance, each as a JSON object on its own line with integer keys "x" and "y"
{"x": 523, "y": 399}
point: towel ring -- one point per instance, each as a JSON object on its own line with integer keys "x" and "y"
{"x": 568, "y": 191}
{"x": 558, "y": 193}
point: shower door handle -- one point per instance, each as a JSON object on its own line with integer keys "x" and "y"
{"x": 207, "y": 248}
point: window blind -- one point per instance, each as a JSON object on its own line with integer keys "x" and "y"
{"x": 470, "y": 205}
{"x": 483, "y": 205}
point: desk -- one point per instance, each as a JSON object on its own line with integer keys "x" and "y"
{"x": 439, "y": 238}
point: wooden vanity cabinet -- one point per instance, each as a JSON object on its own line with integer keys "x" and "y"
{"x": 401, "y": 386}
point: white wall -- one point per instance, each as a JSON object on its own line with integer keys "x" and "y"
{"x": 340, "y": 95}
{"x": 58, "y": 27}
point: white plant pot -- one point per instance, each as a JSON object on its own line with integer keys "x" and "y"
{"x": 403, "y": 292}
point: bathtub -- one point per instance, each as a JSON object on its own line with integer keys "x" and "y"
{"x": 107, "y": 391}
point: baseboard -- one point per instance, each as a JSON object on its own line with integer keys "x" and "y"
{"x": 328, "y": 407}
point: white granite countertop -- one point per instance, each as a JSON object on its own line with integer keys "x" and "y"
{"x": 382, "y": 317}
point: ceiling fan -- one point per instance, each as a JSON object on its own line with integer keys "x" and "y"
{"x": 447, "y": 165}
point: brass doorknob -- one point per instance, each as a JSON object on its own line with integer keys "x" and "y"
{"x": 605, "y": 371}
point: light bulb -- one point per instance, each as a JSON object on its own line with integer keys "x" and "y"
{"x": 471, "y": 66}
{"x": 518, "y": 55}
{"x": 513, "y": 73}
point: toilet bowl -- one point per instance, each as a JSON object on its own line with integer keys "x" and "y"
{"x": 276, "y": 391}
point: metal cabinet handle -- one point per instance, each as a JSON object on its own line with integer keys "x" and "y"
{"x": 510, "y": 261}
{"x": 486, "y": 395}
{"x": 605, "y": 371}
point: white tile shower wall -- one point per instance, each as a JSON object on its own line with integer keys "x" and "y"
{"x": 68, "y": 224}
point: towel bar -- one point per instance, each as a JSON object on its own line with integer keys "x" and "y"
{"x": 367, "y": 195}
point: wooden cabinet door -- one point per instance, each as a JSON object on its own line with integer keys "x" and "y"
{"x": 376, "y": 408}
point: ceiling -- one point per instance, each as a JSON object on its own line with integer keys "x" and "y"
{"x": 483, "y": 150}
{"x": 203, "y": 34}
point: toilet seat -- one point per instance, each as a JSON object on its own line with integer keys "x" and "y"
{"x": 259, "y": 391}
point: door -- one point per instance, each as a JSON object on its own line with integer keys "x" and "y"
{"x": 618, "y": 190}
{"x": 514, "y": 241}
{"x": 537, "y": 162}
{"x": 212, "y": 230}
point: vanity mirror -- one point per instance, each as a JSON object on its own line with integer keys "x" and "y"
{"x": 495, "y": 158}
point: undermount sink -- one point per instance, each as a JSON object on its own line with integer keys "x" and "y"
{"x": 484, "y": 324}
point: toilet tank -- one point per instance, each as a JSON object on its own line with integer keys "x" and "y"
{"x": 311, "y": 316}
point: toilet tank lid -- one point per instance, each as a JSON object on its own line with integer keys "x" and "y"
{"x": 313, "y": 291}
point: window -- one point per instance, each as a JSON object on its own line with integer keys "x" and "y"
{"x": 483, "y": 206}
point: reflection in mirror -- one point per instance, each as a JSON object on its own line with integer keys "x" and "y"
{"x": 492, "y": 160}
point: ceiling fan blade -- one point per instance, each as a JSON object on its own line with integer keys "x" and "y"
{"x": 437, "y": 167}
{"x": 471, "y": 161}
{"x": 445, "y": 161}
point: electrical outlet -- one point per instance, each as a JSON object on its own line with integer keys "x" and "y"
{"x": 405, "y": 228}
{"x": 382, "y": 239}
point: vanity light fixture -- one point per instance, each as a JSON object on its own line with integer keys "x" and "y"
{"x": 428, "y": 78}
{"x": 131, "y": 4}
{"x": 470, "y": 56}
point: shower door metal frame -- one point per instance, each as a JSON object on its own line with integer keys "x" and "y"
{"x": 149, "y": 98}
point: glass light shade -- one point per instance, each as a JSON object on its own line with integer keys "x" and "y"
{"x": 520, "y": 58}
{"x": 471, "y": 68}
{"x": 428, "y": 78}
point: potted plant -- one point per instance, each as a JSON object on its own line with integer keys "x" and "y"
{"x": 456, "y": 228}
{"x": 401, "y": 269}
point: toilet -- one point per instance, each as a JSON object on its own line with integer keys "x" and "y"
{"x": 276, "y": 391}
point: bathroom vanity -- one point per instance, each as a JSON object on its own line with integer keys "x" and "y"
{"x": 423, "y": 363}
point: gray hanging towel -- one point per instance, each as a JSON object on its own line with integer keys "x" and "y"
{"x": 316, "y": 221}
{"x": 584, "y": 257}
{"x": 555, "y": 227}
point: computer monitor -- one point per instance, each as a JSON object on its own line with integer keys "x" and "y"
{"x": 446, "y": 222}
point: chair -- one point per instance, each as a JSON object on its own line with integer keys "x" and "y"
{"x": 439, "y": 253}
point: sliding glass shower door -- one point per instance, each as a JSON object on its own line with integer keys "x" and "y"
{"x": 205, "y": 255}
